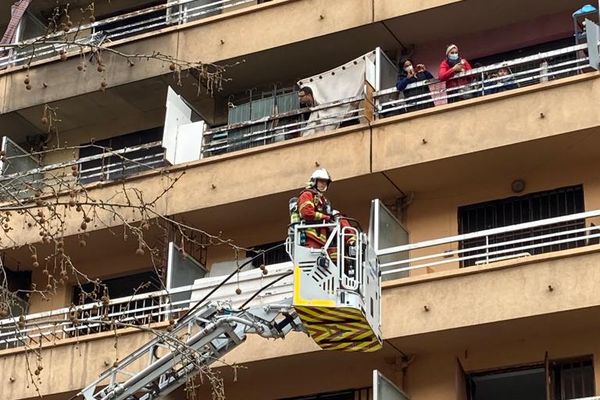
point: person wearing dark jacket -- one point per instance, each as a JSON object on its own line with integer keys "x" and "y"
{"x": 503, "y": 80}
{"x": 450, "y": 66}
{"x": 410, "y": 74}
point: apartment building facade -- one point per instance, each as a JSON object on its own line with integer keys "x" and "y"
{"x": 489, "y": 289}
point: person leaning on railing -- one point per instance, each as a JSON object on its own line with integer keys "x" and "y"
{"x": 502, "y": 80}
{"x": 410, "y": 74}
{"x": 450, "y": 66}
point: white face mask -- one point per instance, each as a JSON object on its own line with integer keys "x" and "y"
{"x": 409, "y": 68}
{"x": 453, "y": 57}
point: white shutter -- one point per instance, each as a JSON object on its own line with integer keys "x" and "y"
{"x": 182, "y": 138}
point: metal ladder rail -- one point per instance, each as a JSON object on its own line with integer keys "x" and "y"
{"x": 154, "y": 379}
{"x": 221, "y": 331}
{"x": 170, "y": 382}
{"x": 201, "y": 315}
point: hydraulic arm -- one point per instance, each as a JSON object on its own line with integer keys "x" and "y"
{"x": 200, "y": 338}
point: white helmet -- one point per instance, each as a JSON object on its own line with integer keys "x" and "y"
{"x": 320, "y": 173}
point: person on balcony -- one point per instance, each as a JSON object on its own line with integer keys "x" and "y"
{"x": 315, "y": 208}
{"x": 410, "y": 74}
{"x": 453, "y": 64}
{"x": 307, "y": 100}
{"x": 503, "y": 81}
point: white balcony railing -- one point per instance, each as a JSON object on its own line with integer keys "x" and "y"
{"x": 498, "y": 244}
{"x": 108, "y": 165}
{"x": 142, "y": 309}
{"x": 129, "y": 24}
{"x": 520, "y": 72}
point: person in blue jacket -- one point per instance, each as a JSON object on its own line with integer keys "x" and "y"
{"x": 409, "y": 73}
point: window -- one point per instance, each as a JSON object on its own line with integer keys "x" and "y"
{"x": 275, "y": 256}
{"x": 520, "y": 209}
{"x": 144, "y": 282}
{"x": 254, "y": 105}
{"x": 515, "y": 384}
{"x": 113, "y": 167}
{"x": 568, "y": 379}
{"x": 573, "y": 379}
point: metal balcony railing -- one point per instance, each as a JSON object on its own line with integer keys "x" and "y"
{"x": 284, "y": 126}
{"x": 521, "y": 72}
{"x": 139, "y": 310}
{"x": 129, "y": 24}
{"x": 498, "y": 244}
{"x": 109, "y": 165}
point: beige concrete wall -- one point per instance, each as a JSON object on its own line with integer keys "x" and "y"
{"x": 63, "y": 80}
{"x": 432, "y": 376}
{"x": 550, "y": 109}
{"x": 243, "y": 176}
{"x": 65, "y": 368}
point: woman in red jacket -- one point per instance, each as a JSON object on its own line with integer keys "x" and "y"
{"x": 450, "y": 66}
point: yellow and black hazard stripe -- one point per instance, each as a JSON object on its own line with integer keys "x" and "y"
{"x": 343, "y": 328}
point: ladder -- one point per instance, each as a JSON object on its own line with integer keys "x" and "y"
{"x": 200, "y": 338}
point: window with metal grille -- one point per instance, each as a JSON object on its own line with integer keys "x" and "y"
{"x": 556, "y": 380}
{"x": 113, "y": 167}
{"x": 256, "y": 104}
{"x": 275, "y": 256}
{"x": 573, "y": 379}
{"x": 521, "y": 209}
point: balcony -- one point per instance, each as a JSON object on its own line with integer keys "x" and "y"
{"x": 378, "y": 105}
{"x": 105, "y": 31}
{"x": 22, "y": 175}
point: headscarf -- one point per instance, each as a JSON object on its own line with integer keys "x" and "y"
{"x": 452, "y": 63}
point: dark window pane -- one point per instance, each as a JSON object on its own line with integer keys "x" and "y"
{"x": 517, "y": 210}
{"x": 573, "y": 379}
{"x": 515, "y": 384}
{"x": 275, "y": 256}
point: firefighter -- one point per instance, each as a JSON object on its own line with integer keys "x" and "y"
{"x": 314, "y": 208}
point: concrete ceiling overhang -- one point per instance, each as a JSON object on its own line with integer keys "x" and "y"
{"x": 467, "y": 17}
{"x": 502, "y": 164}
{"x": 543, "y": 328}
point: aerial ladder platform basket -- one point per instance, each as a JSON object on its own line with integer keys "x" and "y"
{"x": 337, "y": 288}
{"x": 332, "y": 293}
